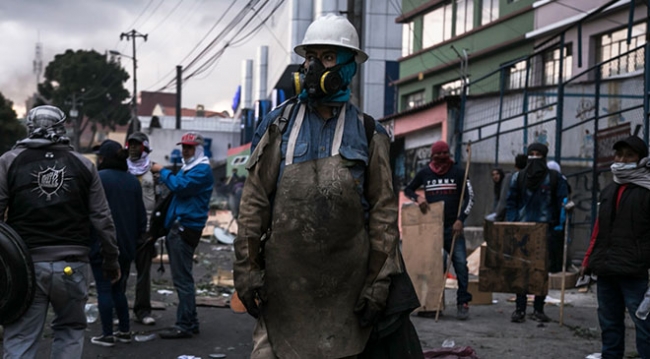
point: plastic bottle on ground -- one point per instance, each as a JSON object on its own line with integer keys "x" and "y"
{"x": 644, "y": 308}
{"x": 448, "y": 343}
{"x": 92, "y": 312}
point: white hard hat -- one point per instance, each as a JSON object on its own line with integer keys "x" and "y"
{"x": 332, "y": 30}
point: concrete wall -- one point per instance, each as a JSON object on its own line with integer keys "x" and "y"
{"x": 164, "y": 141}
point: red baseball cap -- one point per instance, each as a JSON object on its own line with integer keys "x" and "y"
{"x": 192, "y": 139}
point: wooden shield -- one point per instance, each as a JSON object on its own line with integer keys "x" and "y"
{"x": 515, "y": 258}
{"x": 422, "y": 239}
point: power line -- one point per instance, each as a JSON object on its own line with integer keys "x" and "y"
{"x": 167, "y": 16}
{"x": 236, "y": 20}
{"x": 152, "y": 13}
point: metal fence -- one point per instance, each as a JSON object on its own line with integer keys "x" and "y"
{"x": 578, "y": 116}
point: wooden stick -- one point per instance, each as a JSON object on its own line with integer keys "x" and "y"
{"x": 564, "y": 255}
{"x": 453, "y": 238}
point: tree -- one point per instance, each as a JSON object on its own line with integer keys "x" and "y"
{"x": 11, "y": 130}
{"x": 95, "y": 86}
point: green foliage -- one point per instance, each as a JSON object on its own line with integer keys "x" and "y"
{"x": 11, "y": 130}
{"x": 94, "y": 83}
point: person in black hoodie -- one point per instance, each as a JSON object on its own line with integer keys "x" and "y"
{"x": 443, "y": 181}
{"x": 619, "y": 252}
{"x": 124, "y": 195}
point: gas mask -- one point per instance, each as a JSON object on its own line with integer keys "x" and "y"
{"x": 318, "y": 80}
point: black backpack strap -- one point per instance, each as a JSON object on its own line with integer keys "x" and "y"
{"x": 284, "y": 118}
{"x": 369, "y": 125}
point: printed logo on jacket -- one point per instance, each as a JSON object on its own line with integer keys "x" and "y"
{"x": 441, "y": 186}
{"x": 50, "y": 181}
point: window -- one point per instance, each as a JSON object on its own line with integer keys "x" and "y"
{"x": 489, "y": 11}
{"x": 450, "y": 89}
{"x": 436, "y": 26}
{"x": 614, "y": 47}
{"x": 516, "y": 77}
{"x": 552, "y": 65}
{"x": 414, "y": 100}
{"x": 464, "y": 16}
{"x": 407, "y": 39}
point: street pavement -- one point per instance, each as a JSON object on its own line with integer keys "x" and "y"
{"x": 488, "y": 330}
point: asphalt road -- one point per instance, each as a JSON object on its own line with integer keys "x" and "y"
{"x": 488, "y": 331}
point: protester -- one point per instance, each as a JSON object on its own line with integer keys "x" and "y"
{"x": 497, "y": 178}
{"x": 235, "y": 185}
{"x": 54, "y": 196}
{"x": 186, "y": 217}
{"x": 124, "y": 196}
{"x": 556, "y": 244}
{"x": 319, "y": 190}
{"x": 140, "y": 166}
{"x": 619, "y": 252}
{"x": 500, "y": 211}
{"x": 536, "y": 195}
{"x": 443, "y": 181}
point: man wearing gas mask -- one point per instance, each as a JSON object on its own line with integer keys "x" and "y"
{"x": 536, "y": 194}
{"x": 318, "y": 237}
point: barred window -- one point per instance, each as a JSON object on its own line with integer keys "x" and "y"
{"x": 614, "y": 51}
{"x": 552, "y": 65}
{"x": 464, "y": 16}
{"x": 489, "y": 11}
{"x": 436, "y": 26}
{"x": 450, "y": 88}
{"x": 414, "y": 100}
{"x": 407, "y": 39}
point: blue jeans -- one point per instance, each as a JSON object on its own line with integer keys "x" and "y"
{"x": 459, "y": 261}
{"x": 111, "y": 296}
{"x": 614, "y": 295}
{"x": 68, "y": 295}
{"x": 180, "y": 262}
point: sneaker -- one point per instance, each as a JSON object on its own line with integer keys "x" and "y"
{"x": 540, "y": 317}
{"x": 147, "y": 320}
{"x": 518, "y": 316}
{"x": 124, "y": 337}
{"x": 103, "y": 340}
{"x": 116, "y": 321}
{"x": 463, "y": 311}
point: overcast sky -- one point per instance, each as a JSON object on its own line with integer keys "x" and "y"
{"x": 174, "y": 28}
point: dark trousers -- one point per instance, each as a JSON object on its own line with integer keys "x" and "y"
{"x": 614, "y": 295}
{"x": 112, "y": 296}
{"x": 459, "y": 261}
{"x": 143, "y": 257}
{"x": 538, "y": 304}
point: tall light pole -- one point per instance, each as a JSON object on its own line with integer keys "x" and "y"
{"x": 132, "y": 35}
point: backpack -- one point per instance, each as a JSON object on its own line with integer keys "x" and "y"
{"x": 158, "y": 216}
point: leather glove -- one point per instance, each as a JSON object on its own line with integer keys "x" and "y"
{"x": 368, "y": 311}
{"x": 424, "y": 207}
{"x": 249, "y": 299}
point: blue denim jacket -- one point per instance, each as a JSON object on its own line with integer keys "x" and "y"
{"x": 316, "y": 137}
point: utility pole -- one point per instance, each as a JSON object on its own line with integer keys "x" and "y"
{"x": 355, "y": 16}
{"x": 132, "y": 35}
{"x": 179, "y": 87}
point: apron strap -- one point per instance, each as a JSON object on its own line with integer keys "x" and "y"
{"x": 293, "y": 136}
{"x": 295, "y": 130}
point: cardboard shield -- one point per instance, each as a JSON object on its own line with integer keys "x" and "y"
{"x": 17, "y": 279}
{"x": 515, "y": 259}
{"x": 422, "y": 239}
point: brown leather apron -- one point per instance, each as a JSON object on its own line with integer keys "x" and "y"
{"x": 316, "y": 257}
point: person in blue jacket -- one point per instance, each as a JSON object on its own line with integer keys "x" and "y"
{"x": 186, "y": 217}
{"x": 124, "y": 196}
